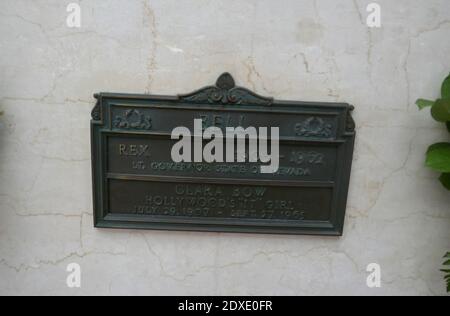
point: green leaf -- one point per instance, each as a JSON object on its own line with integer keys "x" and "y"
{"x": 441, "y": 110}
{"x": 438, "y": 157}
{"x": 445, "y": 91}
{"x": 448, "y": 125}
{"x": 422, "y": 103}
{"x": 445, "y": 180}
{"x": 447, "y": 255}
{"x": 445, "y": 270}
{"x": 447, "y": 263}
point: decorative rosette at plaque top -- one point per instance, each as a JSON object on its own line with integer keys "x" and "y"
{"x": 314, "y": 127}
{"x": 133, "y": 119}
{"x": 225, "y": 92}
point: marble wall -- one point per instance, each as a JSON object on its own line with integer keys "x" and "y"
{"x": 398, "y": 214}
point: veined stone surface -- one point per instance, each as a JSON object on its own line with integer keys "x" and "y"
{"x": 398, "y": 214}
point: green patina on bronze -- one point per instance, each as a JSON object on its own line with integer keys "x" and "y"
{"x": 137, "y": 185}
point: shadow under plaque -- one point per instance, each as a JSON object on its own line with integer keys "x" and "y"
{"x": 136, "y": 184}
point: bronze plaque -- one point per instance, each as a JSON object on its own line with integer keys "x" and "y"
{"x": 137, "y": 184}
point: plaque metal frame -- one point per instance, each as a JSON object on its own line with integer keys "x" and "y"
{"x": 325, "y": 125}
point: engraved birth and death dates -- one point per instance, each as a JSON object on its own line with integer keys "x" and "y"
{"x": 136, "y": 184}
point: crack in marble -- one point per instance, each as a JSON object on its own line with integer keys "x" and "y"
{"x": 37, "y": 214}
{"x": 305, "y": 61}
{"x": 81, "y": 232}
{"x": 96, "y": 34}
{"x": 54, "y": 158}
{"x": 407, "y": 80}
{"x": 35, "y": 177}
{"x": 47, "y": 102}
{"x": 437, "y": 27}
{"x": 334, "y": 94}
{"x": 366, "y": 212}
{"x": 369, "y": 39}
{"x": 415, "y": 36}
{"x": 40, "y": 263}
{"x": 252, "y": 70}
{"x": 414, "y": 214}
{"x": 363, "y": 125}
{"x": 47, "y": 38}
{"x": 80, "y": 253}
{"x": 266, "y": 254}
{"x": 65, "y": 160}
{"x": 161, "y": 264}
{"x": 17, "y": 16}
{"x": 149, "y": 24}
{"x": 411, "y": 278}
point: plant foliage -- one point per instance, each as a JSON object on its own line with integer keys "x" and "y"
{"x": 438, "y": 155}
